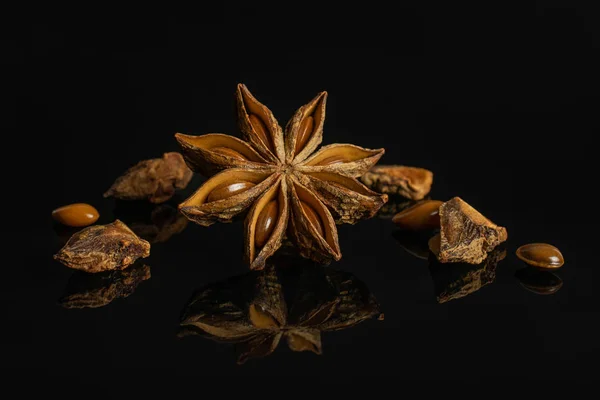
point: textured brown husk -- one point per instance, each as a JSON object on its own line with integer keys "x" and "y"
{"x": 155, "y": 179}
{"x": 465, "y": 234}
{"x": 96, "y": 290}
{"x": 201, "y": 159}
{"x": 360, "y": 160}
{"x": 103, "y": 248}
{"x": 410, "y": 182}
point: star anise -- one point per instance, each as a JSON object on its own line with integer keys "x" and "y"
{"x": 256, "y": 322}
{"x": 287, "y": 189}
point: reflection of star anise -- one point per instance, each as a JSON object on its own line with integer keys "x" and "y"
{"x": 286, "y": 187}
{"x": 251, "y": 310}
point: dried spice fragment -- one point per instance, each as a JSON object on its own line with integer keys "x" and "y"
{"x": 103, "y": 248}
{"x": 86, "y": 290}
{"x": 155, "y": 180}
{"x": 410, "y": 182}
{"x": 465, "y": 234}
{"x": 458, "y": 280}
{"x": 279, "y": 181}
{"x": 258, "y": 320}
{"x": 541, "y": 255}
{"x": 76, "y": 215}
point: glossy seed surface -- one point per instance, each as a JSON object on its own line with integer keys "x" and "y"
{"x": 260, "y": 130}
{"x": 541, "y": 255}
{"x": 304, "y": 133}
{"x": 226, "y": 151}
{"x": 539, "y": 281}
{"x": 421, "y": 216}
{"x": 313, "y": 217}
{"x": 338, "y": 159}
{"x": 266, "y": 223}
{"x": 228, "y": 189}
{"x": 76, "y": 215}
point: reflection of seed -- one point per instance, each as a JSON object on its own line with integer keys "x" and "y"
{"x": 541, "y": 255}
{"x": 76, "y": 215}
{"x": 265, "y": 223}
{"x": 539, "y": 282}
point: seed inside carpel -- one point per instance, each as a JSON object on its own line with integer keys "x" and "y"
{"x": 260, "y": 129}
{"x": 313, "y": 217}
{"x": 337, "y": 159}
{"x": 265, "y": 223}
{"x": 304, "y": 133}
{"x": 76, "y": 215}
{"x": 228, "y": 189}
{"x": 226, "y": 151}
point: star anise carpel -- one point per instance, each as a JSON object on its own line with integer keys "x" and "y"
{"x": 285, "y": 187}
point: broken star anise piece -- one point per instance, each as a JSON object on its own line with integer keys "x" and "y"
{"x": 101, "y": 248}
{"x": 276, "y": 178}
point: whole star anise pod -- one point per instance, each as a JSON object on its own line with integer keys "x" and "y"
{"x": 275, "y": 175}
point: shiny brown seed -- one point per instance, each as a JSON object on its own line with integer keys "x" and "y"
{"x": 541, "y": 255}
{"x": 539, "y": 281}
{"x": 260, "y": 130}
{"x": 304, "y": 133}
{"x": 313, "y": 217}
{"x": 266, "y": 223}
{"x": 337, "y": 159}
{"x": 298, "y": 343}
{"x": 77, "y": 215}
{"x": 228, "y": 189}
{"x": 421, "y": 216}
{"x": 226, "y": 151}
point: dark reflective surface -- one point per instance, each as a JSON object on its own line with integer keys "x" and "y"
{"x": 505, "y": 119}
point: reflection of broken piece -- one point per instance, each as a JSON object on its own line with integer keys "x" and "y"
{"x": 465, "y": 234}
{"x": 459, "y": 280}
{"x": 410, "y": 182}
{"x": 96, "y": 290}
{"x": 103, "y": 248}
{"x": 165, "y": 221}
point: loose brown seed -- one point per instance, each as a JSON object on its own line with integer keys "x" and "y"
{"x": 260, "y": 130}
{"x": 228, "y": 189}
{"x": 538, "y": 281}
{"x": 304, "y": 133}
{"x": 78, "y": 215}
{"x": 266, "y": 223}
{"x": 313, "y": 217}
{"x": 337, "y": 159}
{"x": 541, "y": 255}
{"x": 421, "y": 216}
{"x": 226, "y": 151}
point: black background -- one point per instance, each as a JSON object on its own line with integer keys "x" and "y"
{"x": 500, "y": 103}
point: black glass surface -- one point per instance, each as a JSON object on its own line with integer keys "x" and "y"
{"x": 504, "y": 119}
